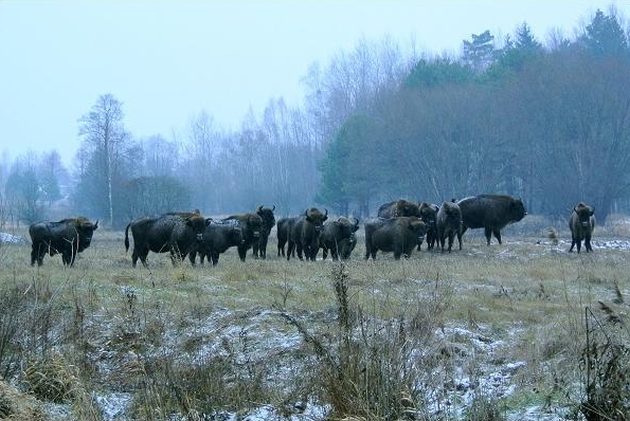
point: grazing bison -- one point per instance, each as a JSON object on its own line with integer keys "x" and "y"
{"x": 284, "y": 229}
{"x": 260, "y": 247}
{"x": 582, "y": 224}
{"x": 338, "y": 237}
{"x": 68, "y": 237}
{"x": 217, "y": 238}
{"x": 397, "y": 208}
{"x": 305, "y": 232}
{"x": 491, "y": 212}
{"x": 449, "y": 224}
{"x": 400, "y": 235}
{"x": 428, "y": 214}
{"x": 174, "y": 232}
{"x": 251, "y": 225}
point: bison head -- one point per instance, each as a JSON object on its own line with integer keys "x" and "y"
{"x": 267, "y": 216}
{"x": 315, "y": 217}
{"x": 85, "y": 230}
{"x": 406, "y": 208}
{"x": 198, "y": 224}
{"x": 584, "y": 214}
{"x": 517, "y": 210}
{"x": 428, "y": 213}
{"x": 418, "y": 227}
{"x": 255, "y": 224}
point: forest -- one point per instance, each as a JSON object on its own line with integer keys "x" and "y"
{"x": 548, "y": 122}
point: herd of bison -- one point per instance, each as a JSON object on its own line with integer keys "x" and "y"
{"x": 400, "y": 227}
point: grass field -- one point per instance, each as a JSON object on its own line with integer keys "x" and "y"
{"x": 485, "y": 333}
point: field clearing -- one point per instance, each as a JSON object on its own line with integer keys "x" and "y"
{"x": 500, "y": 326}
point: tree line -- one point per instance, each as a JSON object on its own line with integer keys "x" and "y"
{"x": 548, "y": 123}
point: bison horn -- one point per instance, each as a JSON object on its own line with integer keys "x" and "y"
{"x": 325, "y": 212}
{"x": 306, "y": 212}
{"x": 273, "y": 208}
{"x": 259, "y": 209}
{"x": 356, "y": 222}
{"x": 96, "y": 224}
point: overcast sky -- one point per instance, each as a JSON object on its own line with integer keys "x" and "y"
{"x": 166, "y": 61}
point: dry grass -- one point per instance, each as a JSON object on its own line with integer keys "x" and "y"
{"x": 184, "y": 340}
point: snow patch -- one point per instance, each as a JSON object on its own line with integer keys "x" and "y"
{"x": 11, "y": 239}
{"x": 114, "y": 405}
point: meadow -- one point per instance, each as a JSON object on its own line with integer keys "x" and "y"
{"x": 522, "y": 330}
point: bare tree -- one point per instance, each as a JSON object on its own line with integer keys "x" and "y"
{"x": 105, "y": 136}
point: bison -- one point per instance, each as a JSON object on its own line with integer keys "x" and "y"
{"x": 400, "y": 235}
{"x": 251, "y": 225}
{"x": 582, "y": 224}
{"x": 68, "y": 237}
{"x": 491, "y": 212}
{"x": 260, "y": 247}
{"x": 284, "y": 229}
{"x": 217, "y": 238}
{"x": 449, "y": 224}
{"x": 305, "y": 232}
{"x": 397, "y": 208}
{"x": 428, "y": 214}
{"x": 175, "y": 232}
{"x": 338, "y": 237}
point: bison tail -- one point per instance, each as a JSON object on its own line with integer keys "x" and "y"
{"x": 127, "y": 237}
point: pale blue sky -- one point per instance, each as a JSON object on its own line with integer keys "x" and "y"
{"x": 169, "y": 60}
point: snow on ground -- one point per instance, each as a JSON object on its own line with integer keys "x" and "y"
{"x": 11, "y": 239}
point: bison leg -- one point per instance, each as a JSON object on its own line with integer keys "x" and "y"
{"x": 572, "y": 245}
{"x": 579, "y": 245}
{"x": 242, "y": 252}
{"x": 587, "y": 244}
{"x": 215, "y": 258}
{"x": 459, "y": 239}
{"x": 300, "y": 251}
{"x": 192, "y": 257}
{"x": 36, "y": 255}
{"x": 290, "y": 249}
{"x": 497, "y": 235}
{"x": 66, "y": 258}
{"x": 263, "y": 247}
{"x": 255, "y": 246}
{"x": 488, "y": 233}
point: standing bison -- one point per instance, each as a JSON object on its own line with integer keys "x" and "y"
{"x": 582, "y": 224}
{"x": 251, "y": 225}
{"x": 260, "y": 247}
{"x": 400, "y": 235}
{"x": 68, "y": 237}
{"x": 177, "y": 232}
{"x": 449, "y": 224}
{"x": 397, "y": 208}
{"x": 491, "y": 212}
{"x": 284, "y": 229}
{"x": 217, "y": 238}
{"x": 338, "y": 237}
{"x": 428, "y": 214}
{"x": 305, "y": 232}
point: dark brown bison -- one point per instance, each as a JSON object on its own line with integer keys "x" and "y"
{"x": 174, "y": 232}
{"x": 582, "y": 224}
{"x": 284, "y": 229}
{"x": 400, "y": 235}
{"x": 338, "y": 237}
{"x": 491, "y": 212}
{"x": 217, "y": 238}
{"x": 260, "y": 247}
{"x": 397, "y": 208}
{"x": 305, "y": 232}
{"x": 428, "y": 214}
{"x": 67, "y": 237}
{"x": 449, "y": 224}
{"x": 251, "y": 225}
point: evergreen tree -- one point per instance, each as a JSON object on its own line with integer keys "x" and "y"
{"x": 604, "y": 36}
